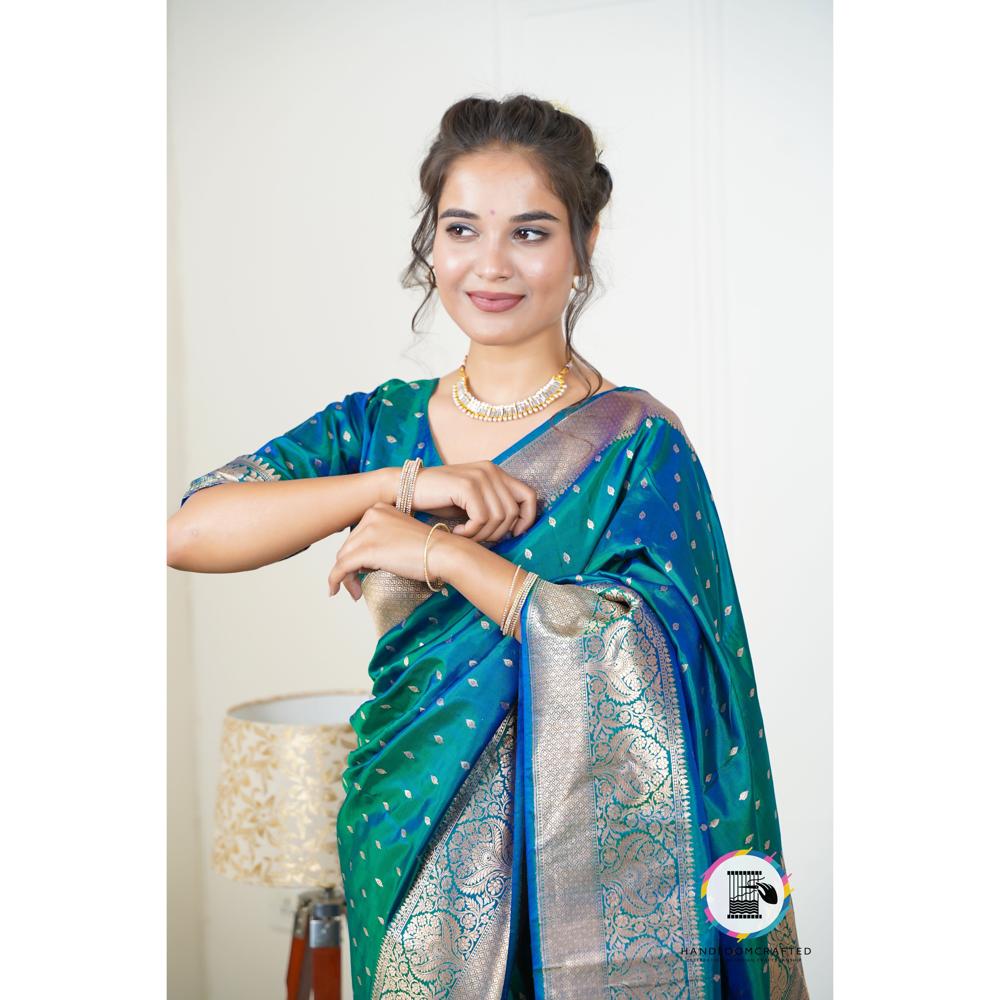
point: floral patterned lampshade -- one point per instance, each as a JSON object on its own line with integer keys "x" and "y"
{"x": 280, "y": 789}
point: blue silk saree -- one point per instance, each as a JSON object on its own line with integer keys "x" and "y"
{"x": 534, "y": 819}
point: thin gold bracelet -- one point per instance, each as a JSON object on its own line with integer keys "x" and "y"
{"x": 427, "y": 541}
{"x": 506, "y": 603}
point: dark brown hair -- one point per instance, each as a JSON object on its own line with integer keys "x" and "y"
{"x": 562, "y": 147}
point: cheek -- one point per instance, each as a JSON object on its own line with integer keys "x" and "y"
{"x": 449, "y": 262}
{"x": 547, "y": 272}
{"x": 549, "y": 267}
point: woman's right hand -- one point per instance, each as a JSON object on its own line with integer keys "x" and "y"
{"x": 495, "y": 502}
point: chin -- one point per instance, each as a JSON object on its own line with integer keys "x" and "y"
{"x": 488, "y": 338}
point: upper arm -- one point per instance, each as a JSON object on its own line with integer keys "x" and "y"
{"x": 328, "y": 443}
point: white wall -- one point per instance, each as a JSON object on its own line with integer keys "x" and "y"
{"x": 296, "y": 131}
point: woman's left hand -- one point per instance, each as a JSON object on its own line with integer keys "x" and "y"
{"x": 384, "y": 538}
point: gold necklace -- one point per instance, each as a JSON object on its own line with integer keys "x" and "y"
{"x": 479, "y": 409}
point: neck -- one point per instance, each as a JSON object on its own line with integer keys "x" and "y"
{"x": 500, "y": 373}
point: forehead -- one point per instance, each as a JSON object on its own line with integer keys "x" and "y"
{"x": 498, "y": 179}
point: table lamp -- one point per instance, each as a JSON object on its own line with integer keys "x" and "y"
{"x": 279, "y": 792}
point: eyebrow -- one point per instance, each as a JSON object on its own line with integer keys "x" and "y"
{"x": 461, "y": 213}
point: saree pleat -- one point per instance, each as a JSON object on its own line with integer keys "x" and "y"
{"x": 534, "y": 819}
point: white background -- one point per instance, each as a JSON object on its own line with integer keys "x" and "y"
{"x": 296, "y": 130}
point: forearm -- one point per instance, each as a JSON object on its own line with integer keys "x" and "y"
{"x": 239, "y": 526}
{"x": 480, "y": 575}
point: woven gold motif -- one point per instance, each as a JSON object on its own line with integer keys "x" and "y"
{"x": 242, "y": 469}
{"x": 788, "y": 981}
{"x": 612, "y": 801}
{"x": 450, "y": 934}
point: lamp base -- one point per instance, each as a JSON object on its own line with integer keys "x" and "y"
{"x": 315, "y": 957}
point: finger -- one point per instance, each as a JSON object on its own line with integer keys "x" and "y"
{"x": 349, "y": 559}
{"x": 476, "y": 512}
{"x": 449, "y": 511}
{"x": 340, "y": 571}
{"x": 527, "y": 501}
{"x": 494, "y": 511}
{"x": 352, "y": 584}
{"x": 481, "y": 503}
{"x": 511, "y": 511}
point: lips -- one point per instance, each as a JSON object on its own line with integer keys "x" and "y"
{"x": 493, "y": 301}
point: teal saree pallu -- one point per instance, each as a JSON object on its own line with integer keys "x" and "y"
{"x": 534, "y": 819}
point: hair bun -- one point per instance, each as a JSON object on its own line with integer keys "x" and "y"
{"x": 604, "y": 183}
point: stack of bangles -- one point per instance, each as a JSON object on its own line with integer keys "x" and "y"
{"x": 512, "y": 611}
{"x": 407, "y": 485}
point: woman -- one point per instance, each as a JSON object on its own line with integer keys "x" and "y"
{"x": 563, "y": 733}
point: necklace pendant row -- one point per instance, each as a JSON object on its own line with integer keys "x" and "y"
{"x": 479, "y": 409}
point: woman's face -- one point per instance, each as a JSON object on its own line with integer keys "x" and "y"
{"x": 501, "y": 230}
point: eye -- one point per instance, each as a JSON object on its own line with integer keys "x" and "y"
{"x": 536, "y": 235}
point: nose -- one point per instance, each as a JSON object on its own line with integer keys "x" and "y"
{"x": 493, "y": 261}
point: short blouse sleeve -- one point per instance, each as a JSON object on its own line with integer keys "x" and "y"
{"x": 329, "y": 443}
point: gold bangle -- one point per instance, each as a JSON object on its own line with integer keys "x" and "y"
{"x": 522, "y": 595}
{"x": 506, "y": 603}
{"x": 427, "y": 541}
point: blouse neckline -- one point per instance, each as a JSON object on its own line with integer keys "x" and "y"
{"x": 430, "y": 446}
